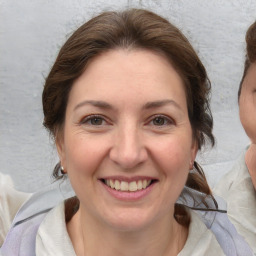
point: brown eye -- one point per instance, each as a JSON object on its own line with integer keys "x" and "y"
{"x": 159, "y": 121}
{"x": 93, "y": 120}
{"x": 96, "y": 121}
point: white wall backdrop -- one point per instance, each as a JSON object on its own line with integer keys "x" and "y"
{"x": 31, "y": 33}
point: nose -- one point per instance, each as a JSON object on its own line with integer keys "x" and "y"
{"x": 128, "y": 149}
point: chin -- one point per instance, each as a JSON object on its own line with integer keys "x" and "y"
{"x": 129, "y": 220}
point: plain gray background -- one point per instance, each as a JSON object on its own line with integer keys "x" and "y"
{"x": 32, "y": 32}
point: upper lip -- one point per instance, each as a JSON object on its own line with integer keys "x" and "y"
{"x": 127, "y": 179}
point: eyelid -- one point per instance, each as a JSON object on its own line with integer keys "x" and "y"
{"x": 87, "y": 118}
{"x": 170, "y": 120}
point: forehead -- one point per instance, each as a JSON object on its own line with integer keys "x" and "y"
{"x": 128, "y": 74}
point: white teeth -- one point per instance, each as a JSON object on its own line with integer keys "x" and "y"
{"x": 144, "y": 183}
{"x": 127, "y": 186}
{"x": 124, "y": 186}
{"x": 133, "y": 186}
{"x": 112, "y": 184}
{"x": 117, "y": 185}
{"x": 139, "y": 185}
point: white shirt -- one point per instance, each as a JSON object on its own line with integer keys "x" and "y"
{"x": 52, "y": 237}
{"x": 10, "y": 201}
{"x": 53, "y": 240}
{"x": 237, "y": 189}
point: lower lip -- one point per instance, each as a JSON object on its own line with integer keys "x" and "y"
{"x": 129, "y": 196}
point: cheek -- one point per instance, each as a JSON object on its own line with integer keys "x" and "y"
{"x": 247, "y": 111}
{"x": 83, "y": 158}
{"x": 174, "y": 156}
{"x": 82, "y": 155}
{"x": 173, "y": 161}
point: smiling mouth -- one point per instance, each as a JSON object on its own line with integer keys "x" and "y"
{"x": 125, "y": 186}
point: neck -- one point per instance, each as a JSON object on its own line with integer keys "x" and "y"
{"x": 250, "y": 160}
{"x": 163, "y": 238}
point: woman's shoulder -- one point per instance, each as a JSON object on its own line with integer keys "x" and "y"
{"x": 10, "y": 201}
{"x": 52, "y": 236}
{"x": 212, "y": 233}
{"x": 200, "y": 241}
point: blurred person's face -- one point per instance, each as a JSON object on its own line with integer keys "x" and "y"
{"x": 247, "y": 103}
{"x": 127, "y": 140}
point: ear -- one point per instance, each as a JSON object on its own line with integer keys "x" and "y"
{"x": 60, "y": 145}
{"x": 194, "y": 149}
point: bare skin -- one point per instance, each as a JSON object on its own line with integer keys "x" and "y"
{"x": 128, "y": 124}
{"x": 247, "y": 110}
{"x": 128, "y": 244}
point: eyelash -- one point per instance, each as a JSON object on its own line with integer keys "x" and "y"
{"x": 167, "y": 120}
{"x": 90, "y": 118}
{"x": 87, "y": 119}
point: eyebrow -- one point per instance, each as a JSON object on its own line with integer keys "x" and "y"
{"x": 148, "y": 105}
{"x": 161, "y": 103}
{"x": 96, "y": 103}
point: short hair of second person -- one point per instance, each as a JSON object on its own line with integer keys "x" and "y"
{"x": 250, "y": 56}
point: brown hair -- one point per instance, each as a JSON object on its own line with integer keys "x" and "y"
{"x": 132, "y": 29}
{"x": 250, "y": 56}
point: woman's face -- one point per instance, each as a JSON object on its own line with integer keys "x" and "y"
{"x": 247, "y": 103}
{"x": 127, "y": 141}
